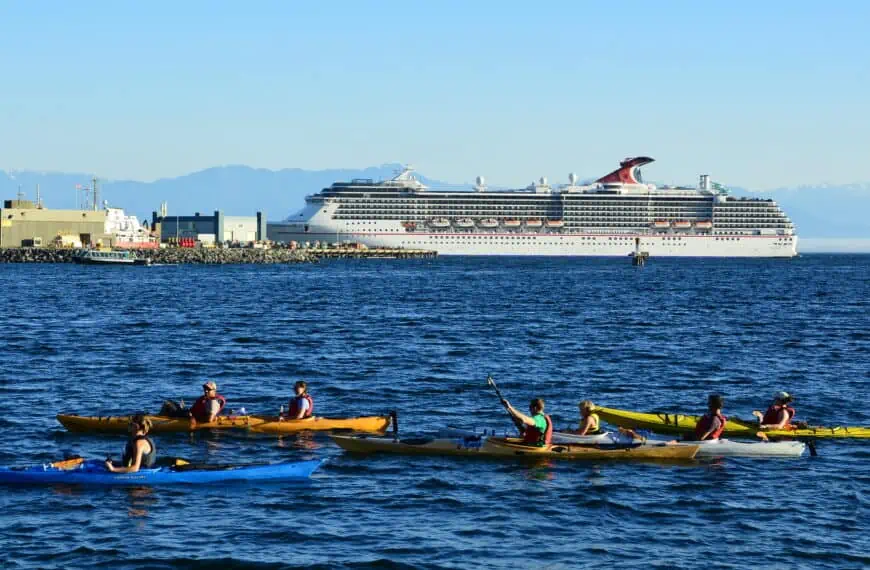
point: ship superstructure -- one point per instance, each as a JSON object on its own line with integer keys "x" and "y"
{"x": 604, "y": 217}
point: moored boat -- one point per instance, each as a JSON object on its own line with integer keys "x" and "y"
{"x": 94, "y": 473}
{"x": 682, "y": 225}
{"x": 488, "y": 223}
{"x": 439, "y": 223}
{"x": 533, "y": 223}
{"x": 676, "y": 424}
{"x": 661, "y": 224}
{"x": 512, "y": 223}
{"x": 464, "y": 223}
{"x": 97, "y": 257}
{"x": 499, "y": 447}
{"x": 555, "y": 223}
{"x": 704, "y": 225}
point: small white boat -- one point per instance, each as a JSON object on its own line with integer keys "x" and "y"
{"x": 682, "y": 225}
{"x": 704, "y": 225}
{"x": 533, "y": 223}
{"x": 555, "y": 223}
{"x": 439, "y": 223}
{"x": 661, "y": 224}
{"x": 511, "y": 223}
{"x": 488, "y": 223}
{"x": 95, "y": 257}
{"x": 710, "y": 448}
{"x": 464, "y": 223}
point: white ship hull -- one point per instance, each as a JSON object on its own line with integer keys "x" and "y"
{"x": 555, "y": 244}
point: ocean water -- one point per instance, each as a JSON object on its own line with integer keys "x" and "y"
{"x": 420, "y": 337}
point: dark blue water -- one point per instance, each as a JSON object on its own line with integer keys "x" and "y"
{"x": 421, "y": 337}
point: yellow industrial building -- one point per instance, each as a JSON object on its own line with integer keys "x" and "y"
{"x": 25, "y": 224}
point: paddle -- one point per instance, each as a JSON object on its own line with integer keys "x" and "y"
{"x": 518, "y": 423}
{"x": 68, "y": 463}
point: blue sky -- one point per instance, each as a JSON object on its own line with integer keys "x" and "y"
{"x": 760, "y": 94}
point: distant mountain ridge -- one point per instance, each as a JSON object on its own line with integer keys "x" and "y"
{"x": 818, "y": 211}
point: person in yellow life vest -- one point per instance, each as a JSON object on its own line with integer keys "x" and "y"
{"x": 589, "y": 422}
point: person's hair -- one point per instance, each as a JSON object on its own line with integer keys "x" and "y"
{"x": 141, "y": 421}
{"x": 300, "y": 384}
{"x": 537, "y": 404}
{"x": 587, "y": 405}
{"x": 715, "y": 401}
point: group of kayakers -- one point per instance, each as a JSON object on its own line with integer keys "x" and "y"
{"x": 208, "y": 406}
{"x": 141, "y": 452}
{"x": 537, "y": 427}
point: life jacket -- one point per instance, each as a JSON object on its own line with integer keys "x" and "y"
{"x": 533, "y": 436}
{"x": 596, "y": 425}
{"x": 706, "y": 422}
{"x": 771, "y": 416}
{"x": 296, "y": 403}
{"x": 148, "y": 459}
{"x": 199, "y": 411}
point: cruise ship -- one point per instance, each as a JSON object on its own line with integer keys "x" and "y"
{"x": 616, "y": 215}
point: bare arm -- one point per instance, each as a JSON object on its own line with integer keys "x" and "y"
{"x": 585, "y": 425}
{"x": 526, "y": 420}
{"x": 137, "y": 460}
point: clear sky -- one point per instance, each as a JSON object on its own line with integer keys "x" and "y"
{"x": 760, "y": 94}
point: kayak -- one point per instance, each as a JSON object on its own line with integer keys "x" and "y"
{"x": 259, "y": 424}
{"x": 488, "y": 446}
{"x": 708, "y": 448}
{"x": 368, "y": 424}
{"x": 676, "y": 424}
{"x": 159, "y": 424}
{"x": 94, "y": 472}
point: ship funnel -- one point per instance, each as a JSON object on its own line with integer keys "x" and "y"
{"x": 572, "y": 178}
{"x": 704, "y": 183}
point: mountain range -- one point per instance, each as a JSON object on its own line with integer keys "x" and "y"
{"x": 818, "y": 211}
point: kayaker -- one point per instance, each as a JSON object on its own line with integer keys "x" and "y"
{"x": 536, "y": 429}
{"x": 779, "y": 414}
{"x": 140, "y": 451}
{"x": 712, "y": 424}
{"x": 208, "y": 406}
{"x": 589, "y": 422}
{"x": 301, "y": 405}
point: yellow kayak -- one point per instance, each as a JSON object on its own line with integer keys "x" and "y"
{"x": 482, "y": 446}
{"x": 367, "y": 424}
{"x": 676, "y": 424}
{"x": 159, "y": 424}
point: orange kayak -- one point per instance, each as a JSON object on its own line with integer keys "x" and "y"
{"x": 366, "y": 424}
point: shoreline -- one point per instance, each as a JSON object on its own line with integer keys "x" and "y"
{"x": 217, "y": 256}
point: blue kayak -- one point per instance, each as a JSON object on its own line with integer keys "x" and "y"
{"x": 94, "y": 472}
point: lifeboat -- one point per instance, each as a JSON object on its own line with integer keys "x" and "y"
{"x": 464, "y": 223}
{"x": 704, "y": 225}
{"x": 555, "y": 223}
{"x": 488, "y": 223}
{"x": 661, "y": 224}
{"x": 682, "y": 225}
{"x": 533, "y": 223}
{"x": 439, "y": 223}
{"x": 511, "y": 223}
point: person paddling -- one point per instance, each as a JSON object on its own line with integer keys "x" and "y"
{"x": 536, "y": 429}
{"x": 589, "y": 422}
{"x": 301, "y": 405}
{"x": 208, "y": 406}
{"x": 712, "y": 424}
{"x": 140, "y": 451}
{"x": 779, "y": 414}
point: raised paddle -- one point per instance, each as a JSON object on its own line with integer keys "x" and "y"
{"x": 517, "y": 422}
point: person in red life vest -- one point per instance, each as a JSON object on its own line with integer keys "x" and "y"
{"x": 301, "y": 405}
{"x": 712, "y": 424}
{"x": 535, "y": 429}
{"x": 779, "y": 414}
{"x": 208, "y": 406}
